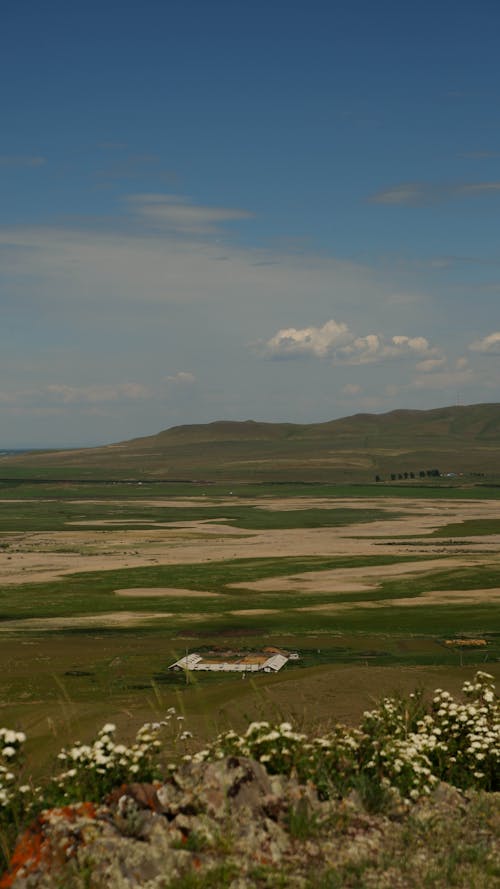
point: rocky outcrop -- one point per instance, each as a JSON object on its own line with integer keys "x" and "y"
{"x": 231, "y": 824}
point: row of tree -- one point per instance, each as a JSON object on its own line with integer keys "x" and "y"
{"x": 401, "y": 476}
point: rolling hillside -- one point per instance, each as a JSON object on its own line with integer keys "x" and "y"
{"x": 459, "y": 439}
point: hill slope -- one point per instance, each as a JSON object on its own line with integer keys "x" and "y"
{"x": 459, "y": 439}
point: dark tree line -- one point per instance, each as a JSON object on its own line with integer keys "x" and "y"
{"x": 401, "y": 476}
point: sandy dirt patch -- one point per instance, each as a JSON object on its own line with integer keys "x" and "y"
{"x": 160, "y": 503}
{"x": 202, "y": 526}
{"x": 346, "y": 579}
{"x": 249, "y": 612}
{"x": 159, "y": 592}
{"x": 108, "y": 619}
{"x": 31, "y": 557}
{"x": 446, "y": 597}
{"x": 432, "y": 597}
{"x": 335, "y": 607}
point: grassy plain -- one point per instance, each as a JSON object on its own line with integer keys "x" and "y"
{"x": 103, "y": 585}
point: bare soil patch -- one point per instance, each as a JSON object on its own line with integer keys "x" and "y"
{"x": 431, "y": 597}
{"x": 108, "y": 619}
{"x": 346, "y": 579}
{"x": 43, "y": 556}
{"x": 446, "y": 597}
{"x": 159, "y": 592}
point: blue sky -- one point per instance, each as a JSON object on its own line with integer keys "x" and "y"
{"x": 244, "y": 210}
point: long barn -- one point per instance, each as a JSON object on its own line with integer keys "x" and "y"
{"x": 248, "y": 663}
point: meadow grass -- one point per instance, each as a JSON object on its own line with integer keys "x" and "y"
{"x": 66, "y": 486}
{"x": 468, "y": 528}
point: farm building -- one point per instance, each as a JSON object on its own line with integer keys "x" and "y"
{"x": 255, "y": 662}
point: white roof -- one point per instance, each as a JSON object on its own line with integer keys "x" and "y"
{"x": 188, "y": 662}
{"x": 276, "y": 662}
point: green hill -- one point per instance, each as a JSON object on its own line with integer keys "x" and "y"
{"x": 457, "y": 440}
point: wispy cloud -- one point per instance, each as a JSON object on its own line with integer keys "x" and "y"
{"x": 351, "y": 389}
{"x": 177, "y": 213}
{"x": 419, "y": 194}
{"x": 130, "y": 167}
{"x": 488, "y": 345}
{"x": 442, "y": 374}
{"x": 445, "y": 380}
{"x": 429, "y": 365}
{"x": 21, "y": 160}
{"x": 181, "y": 378}
{"x": 336, "y": 341}
{"x": 480, "y": 155}
{"x": 60, "y": 393}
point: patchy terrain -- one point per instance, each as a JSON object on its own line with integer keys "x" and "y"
{"x": 47, "y": 555}
{"x": 98, "y": 594}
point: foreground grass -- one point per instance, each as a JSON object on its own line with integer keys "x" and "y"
{"x": 350, "y": 807}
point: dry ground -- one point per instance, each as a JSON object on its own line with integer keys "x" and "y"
{"x": 44, "y": 556}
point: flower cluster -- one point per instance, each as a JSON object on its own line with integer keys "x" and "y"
{"x": 11, "y": 746}
{"x": 16, "y": 796}
{"x": 399, "y": 746}
{"x": 92, "y": 770}
{"x": 392, "y": 752}
{"x": 399, "y": 763}
{"x": 327, "y": 761}
{"x": 463, "y": 739}
{"x": 276, "y": 747}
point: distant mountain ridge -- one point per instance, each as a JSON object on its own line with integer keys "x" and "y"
{"x": 456, "y": 439}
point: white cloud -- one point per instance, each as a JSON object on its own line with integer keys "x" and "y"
{"x": 372, "y": 347}
{"x": 337, "y": 341}
{"x": 351, "y": 389}
{"x": 488, "y": 345}
{"x": 318, "y": 341}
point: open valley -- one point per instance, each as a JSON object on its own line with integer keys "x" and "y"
{"x": 377, "y": 588}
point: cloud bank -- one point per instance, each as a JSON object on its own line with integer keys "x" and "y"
{"x": 336, "y": 341}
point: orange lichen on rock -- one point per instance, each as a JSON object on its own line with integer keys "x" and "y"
{"x": 34, "y": 847}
